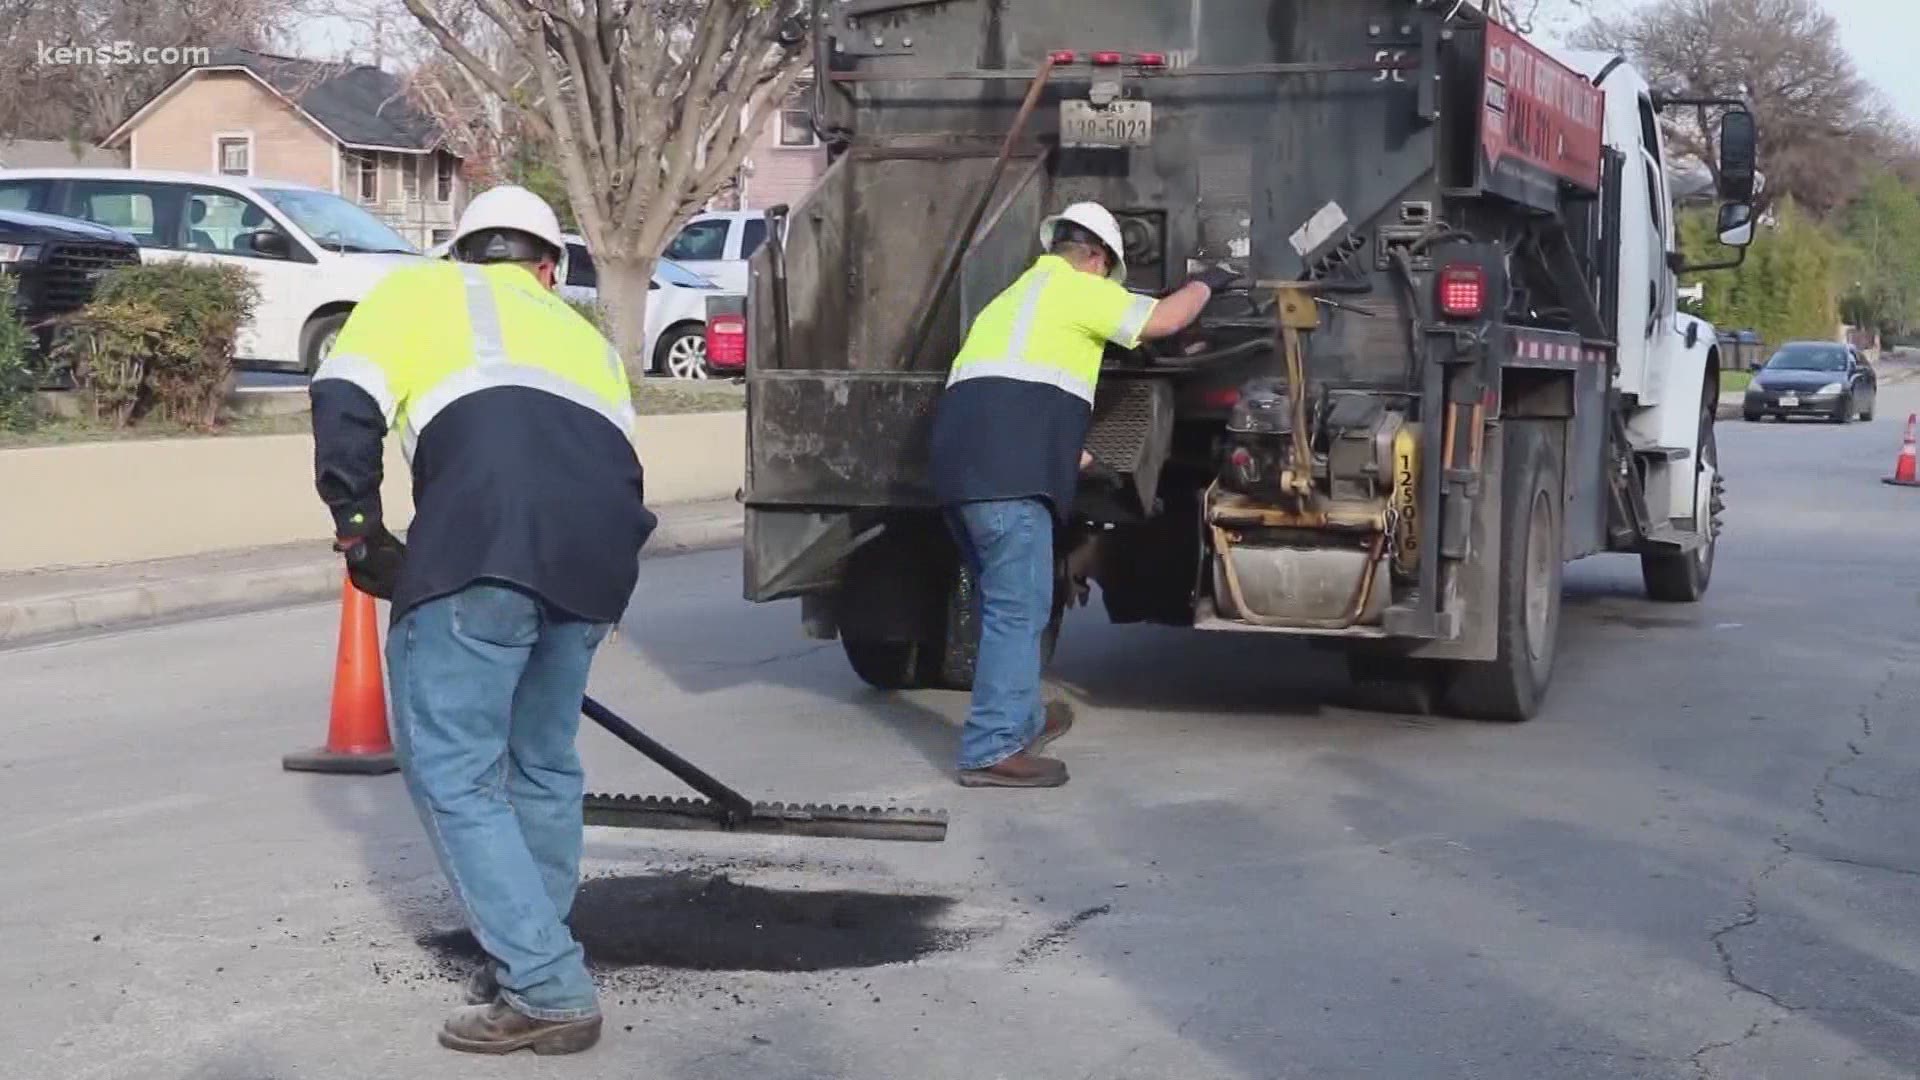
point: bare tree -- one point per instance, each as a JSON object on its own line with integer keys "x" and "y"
{"x": 649, "y": 107}
{"x": 1817, "y": 117}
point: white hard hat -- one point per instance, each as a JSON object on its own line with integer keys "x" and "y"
{"x": 511, "y": 207}
{"x": 1097, "y": 220}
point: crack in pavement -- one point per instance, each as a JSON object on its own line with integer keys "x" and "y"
{"x": 1864, "y": 864}
{"x": 1865, "y": 794}
{"x": 1749, "y": 913}
{"x": 1698, "y": 1059}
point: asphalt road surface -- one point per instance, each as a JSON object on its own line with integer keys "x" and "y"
{"x": 1700, "y": 862}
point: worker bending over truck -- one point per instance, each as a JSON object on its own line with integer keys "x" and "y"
{"x": 1007, "y": 450}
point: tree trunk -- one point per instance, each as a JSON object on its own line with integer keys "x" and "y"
{"x": 624, "y": 281}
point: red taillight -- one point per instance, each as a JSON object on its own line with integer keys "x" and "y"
{"x": 1463, "y": 291}
{"x": 1151, "y": 60}
{"x": 1109, "y": 59}
{"x": 1224, "y": 398}
{"x": 727, "y": 341}
{"x": 1064, "y": 56}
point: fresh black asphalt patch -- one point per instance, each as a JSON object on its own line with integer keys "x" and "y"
{"x": 705, "y": 922}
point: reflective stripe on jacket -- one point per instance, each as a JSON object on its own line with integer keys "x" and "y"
{"x": 1052, "y": 327}
{"x": 516, "y": 420}
{"x": 1015, "y": 413}
{"x": 414, "y": 362}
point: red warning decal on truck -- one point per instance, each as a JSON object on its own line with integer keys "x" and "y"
{"x": 1538, "y": 112}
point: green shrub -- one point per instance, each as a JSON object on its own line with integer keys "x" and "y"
{"x": 159, "y": 338}
{"x": 19, "y": 374}
{"x": 108, "y": 346}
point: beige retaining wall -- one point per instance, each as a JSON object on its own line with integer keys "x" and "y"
{"x": 114, "y": 502}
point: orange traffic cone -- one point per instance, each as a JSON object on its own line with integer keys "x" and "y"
{"x": 1906, "y": 468}
{"x": 357, "y": 739}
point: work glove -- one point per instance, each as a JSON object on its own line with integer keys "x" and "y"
{"x": 1217, "y": 278}
{"x": 373, "y": 561}
{"x": 1095, "y": 471}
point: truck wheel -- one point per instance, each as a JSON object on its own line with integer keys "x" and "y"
{"x": 888, "y": 665}
{"x": 1396, "y": 684}
{"x": 960, "y": 650}
{"x": 1511, "y": 687}
{"x": 1683, "y": 577}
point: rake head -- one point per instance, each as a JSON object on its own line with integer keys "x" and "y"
{"x": 778, "y": 819}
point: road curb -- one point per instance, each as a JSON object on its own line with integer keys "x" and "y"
{"x": 44, "y": 618}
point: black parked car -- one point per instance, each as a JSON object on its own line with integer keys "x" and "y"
{"x": 57, "y": 261}
{"x": 1813, "y": 378}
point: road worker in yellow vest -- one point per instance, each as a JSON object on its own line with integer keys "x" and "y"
{"x": 516, "y": 419}
{"x": 1007, "y": 449}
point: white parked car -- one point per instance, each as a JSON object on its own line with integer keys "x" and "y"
{"x": 312, "y": 253}
{"x": 717, "y": 246}
{"x": 676, "y": 308}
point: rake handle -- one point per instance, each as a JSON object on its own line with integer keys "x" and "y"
{"x": 738, "y": 807}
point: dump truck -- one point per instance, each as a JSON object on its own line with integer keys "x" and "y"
{"x": 1453, "y": 361}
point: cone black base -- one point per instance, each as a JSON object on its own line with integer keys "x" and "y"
{"x": 323, "y": 760}
{"x": 1899, "y": 483}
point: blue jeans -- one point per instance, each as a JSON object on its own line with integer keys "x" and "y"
{"x": 1009, "y": 544}
{"x": 486, "y": 688}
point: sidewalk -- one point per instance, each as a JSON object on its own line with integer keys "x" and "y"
{"x": 39, "y": 605}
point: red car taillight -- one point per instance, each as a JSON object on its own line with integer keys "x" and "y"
{"x": 727, "y": 341}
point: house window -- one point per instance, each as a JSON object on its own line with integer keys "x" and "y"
{"x": 233, "y": 154}
{"x": 410, "y": 179}
{"x": 365, "y": 170}
{"x": 796, "y": 120}
{"x": 443, "y": 178}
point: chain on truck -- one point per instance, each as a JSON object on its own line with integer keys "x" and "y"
{"x": 1455, "y": 362}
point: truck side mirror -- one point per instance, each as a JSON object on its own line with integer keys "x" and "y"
{"x": 1739, "y": 156}
{"x": 1736, "y": 225}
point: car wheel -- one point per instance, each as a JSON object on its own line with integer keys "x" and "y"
{"x": 1753, "y": 417}
{"x": 1844, "y": 414}
{"x": 682, "y": 353}
{"x": 1866, "y": 414}
{"x": 316, "y": 341}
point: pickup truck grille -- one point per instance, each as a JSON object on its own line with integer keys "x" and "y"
{"x": 69, "y": 272}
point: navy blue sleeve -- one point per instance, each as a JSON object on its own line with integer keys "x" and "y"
{"x": 349, "y": 433}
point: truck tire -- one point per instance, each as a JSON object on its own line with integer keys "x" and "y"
{"x": 1396, "y": 684}
{"x": 1511, "y": 687}
{"x": 960, "y": 649}
{"x": 888, "y": 665}
{"x": 1683, "y": 577}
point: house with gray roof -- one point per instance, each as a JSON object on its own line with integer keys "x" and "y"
{"x": 347, "y": 128}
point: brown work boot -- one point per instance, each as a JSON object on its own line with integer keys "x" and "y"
{"x": 1059, "y": 721}
{"x": 1023, "y": 769}
{"x": 499, "y": 1029}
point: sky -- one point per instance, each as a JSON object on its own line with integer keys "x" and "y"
{"x": 1882, "y": 35}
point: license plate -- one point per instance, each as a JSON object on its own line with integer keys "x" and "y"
{"x": 1117, "y": 126}
{"x": 1789, "y": 401}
